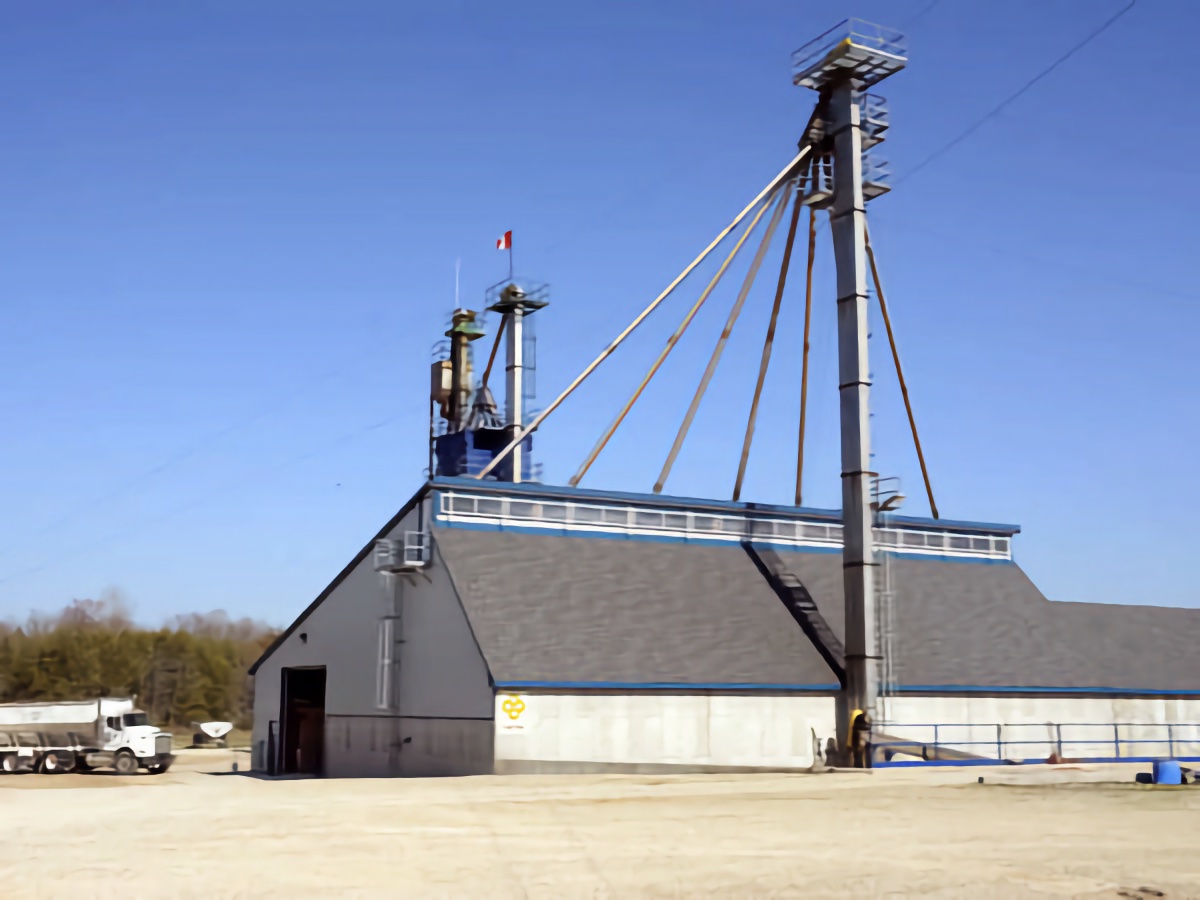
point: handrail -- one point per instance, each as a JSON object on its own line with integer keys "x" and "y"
{"x": 1186, "y": 743}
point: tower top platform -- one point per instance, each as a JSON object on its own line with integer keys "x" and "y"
{"x": 527, "y": 293}
{"x": 860, "y": 52}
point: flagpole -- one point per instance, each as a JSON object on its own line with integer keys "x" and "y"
{"x": 510, "y": 263}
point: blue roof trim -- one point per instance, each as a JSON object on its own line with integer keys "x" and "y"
{"x": 552, "y": 531}
{"x": 832, "y": 687}
{"x": 1040, "y": 689}
{"x": 662, "y": 686}
{"x": 659, "y": 500}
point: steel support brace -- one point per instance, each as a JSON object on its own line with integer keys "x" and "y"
{"x": 788, "y": 172}
{"x": 666, "y": 351}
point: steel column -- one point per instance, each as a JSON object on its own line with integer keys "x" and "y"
{"x": 848, "y": 222}
{"x": 514, "y": 389}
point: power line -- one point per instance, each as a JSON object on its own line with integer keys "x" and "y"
{"x": 1058, "y": 262}
{"x": 187, "y": 452}
{"x": 183, "y": 454}
{"x": 925, "y": 10}
{"x": 200, "y": 501}
{"x": 1003, "y": 104}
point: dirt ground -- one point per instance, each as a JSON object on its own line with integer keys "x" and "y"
{"x": 201, "y": 831}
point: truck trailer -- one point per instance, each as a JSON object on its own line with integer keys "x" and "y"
{"x": 81, "y": 735}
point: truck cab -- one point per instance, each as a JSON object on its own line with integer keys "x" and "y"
{"x": 129, "y": 734}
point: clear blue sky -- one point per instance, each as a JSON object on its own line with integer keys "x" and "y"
{"x": 228, "y": 234}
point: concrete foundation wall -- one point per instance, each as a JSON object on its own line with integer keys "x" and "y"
{"x": 444, "y": 696}
{"x": 380, "y": 746}
{"x": 648, "y": 732}
{"x": 1033, "y": 727}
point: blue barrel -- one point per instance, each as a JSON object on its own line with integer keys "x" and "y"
{"x": 1167, "y": 771}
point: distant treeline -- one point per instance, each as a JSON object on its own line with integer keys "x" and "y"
{"x": 193, "y": 670}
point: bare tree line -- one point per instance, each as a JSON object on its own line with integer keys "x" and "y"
{"x": 192, "y": 669}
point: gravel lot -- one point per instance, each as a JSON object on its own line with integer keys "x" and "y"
{"x": 201, "y": 831}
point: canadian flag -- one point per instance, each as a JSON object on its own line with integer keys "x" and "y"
{"x": 504, "y": 243}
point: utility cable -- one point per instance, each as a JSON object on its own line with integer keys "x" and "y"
{"x": 1003, "y": 104}
{"x": 191, "y": 505}
{"x": 920, "y": 14}
{"x": 671, "y": 342}
{"x": 787, "y": 171}
{"x": 887, "y": 322}
{"x": 812, "y": 249}
{"x": 785, "y": 193}
{"x": 187, "y": 452}
{"x": 1061, "y": 262}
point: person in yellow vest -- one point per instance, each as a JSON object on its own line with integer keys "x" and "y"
{"x": 860, "y": 740}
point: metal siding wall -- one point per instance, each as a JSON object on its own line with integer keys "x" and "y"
{"x": 443, "y": 674}
{"x": 1029, "y": 723}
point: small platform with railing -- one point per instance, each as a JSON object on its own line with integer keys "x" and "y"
{"x": 404, "y": 555}
{"x": 862, "y": 53}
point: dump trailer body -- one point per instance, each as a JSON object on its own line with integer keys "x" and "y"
{"x": 68, "y": 712}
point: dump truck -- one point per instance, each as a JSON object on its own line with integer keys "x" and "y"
{"x": 79, "y": 736}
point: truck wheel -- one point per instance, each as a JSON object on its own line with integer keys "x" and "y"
{"x": 11, "y": 764}
{"x": 52, "y": 764}
{"x": 126, "y": 763}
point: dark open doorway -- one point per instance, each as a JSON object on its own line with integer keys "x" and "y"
{"x": 302, "y": 720}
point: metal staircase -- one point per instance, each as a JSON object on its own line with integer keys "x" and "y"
{"x": 799, "y": 602}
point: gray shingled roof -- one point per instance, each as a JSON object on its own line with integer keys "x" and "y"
{"x": 564, "y": 609}
{"x": 1136, "y": 646}
{"x": 956, "y": 623}
{"x": 549, "y": 608}
{"x": 988, "y": 625}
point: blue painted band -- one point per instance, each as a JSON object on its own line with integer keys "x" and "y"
{"x": 556, "y": 531}
{"x": 1018, "y": 689}
{"x": 661, "y": 686}
{"x": 942, "y": 689}
{"x": 913, "y": 763}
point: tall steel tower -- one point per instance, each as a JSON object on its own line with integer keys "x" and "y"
{"x": 840, "y": 65}
{"x": 515, "y": 303}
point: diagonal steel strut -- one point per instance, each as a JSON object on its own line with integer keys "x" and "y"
{"x": 786, "y": 173}
{"x": 812, "y": 249}
{"x": 671, "y": 342}
{"x": 787, "y": 192}
{"x": 768, "y": 343}
{"x": 887, "y": 322}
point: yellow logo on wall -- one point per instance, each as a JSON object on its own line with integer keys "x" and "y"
{"x": 513, "y": 706}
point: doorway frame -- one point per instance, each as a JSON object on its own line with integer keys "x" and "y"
{"x": 282, "y": 744}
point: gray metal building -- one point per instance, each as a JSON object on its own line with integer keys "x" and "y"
{"x": 533, "y": 628}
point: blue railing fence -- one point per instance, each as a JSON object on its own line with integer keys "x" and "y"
{"x": 1035, "y": 742}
